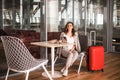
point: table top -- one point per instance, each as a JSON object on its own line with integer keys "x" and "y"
{"x": 48, "y": 44}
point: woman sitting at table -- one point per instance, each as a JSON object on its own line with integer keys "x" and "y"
{"x": 71, "y": 52}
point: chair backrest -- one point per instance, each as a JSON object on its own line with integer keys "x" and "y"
{"x": 17, "y": 55}
{"x": 83, "y": 42}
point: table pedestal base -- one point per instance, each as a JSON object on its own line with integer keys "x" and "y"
{"x": 57, "y": 74}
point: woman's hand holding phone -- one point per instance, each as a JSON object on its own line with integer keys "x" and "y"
{"x": 64, "y": 40}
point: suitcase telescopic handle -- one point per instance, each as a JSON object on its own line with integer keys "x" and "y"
{"x": 93, "y": 37}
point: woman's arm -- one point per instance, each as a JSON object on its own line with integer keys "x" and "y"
{"x": 63, "y": 38}
{"x": 77, "y": 43}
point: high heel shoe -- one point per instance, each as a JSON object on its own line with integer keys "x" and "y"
{"x": 65, "y": 72}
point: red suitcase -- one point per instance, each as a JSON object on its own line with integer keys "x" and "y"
{"x": 96, "y": 58}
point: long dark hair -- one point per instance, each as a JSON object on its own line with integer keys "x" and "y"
{"x": 66, "y": 30}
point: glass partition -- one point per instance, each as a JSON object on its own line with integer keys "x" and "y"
{"x": 22, "y": 14}
{"x": 95, "y": 10}
{"x": 87, "y": 16}
{"x": 10, "y": 14}
{"x": 69, "y": 11}
{"x": 116, "y": 26}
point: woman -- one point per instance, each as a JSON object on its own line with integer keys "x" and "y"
{"x": 71, "y": 52}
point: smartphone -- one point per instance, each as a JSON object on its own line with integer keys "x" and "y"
{"x": 65, "y": 38}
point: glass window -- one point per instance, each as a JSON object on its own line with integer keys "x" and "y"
{"x": 116, "y": 26}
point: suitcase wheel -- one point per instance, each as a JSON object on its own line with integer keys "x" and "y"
{"x": 102, "y": 70}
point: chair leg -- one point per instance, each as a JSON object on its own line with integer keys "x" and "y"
{"x": 80, "y": 64}
{"x": 47, "y": 72}
{"x": 55, "y": 59}
{"x": 27, "y": 74}
{"x": 85, "y": 58}
{"x": 7, "y": 74}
